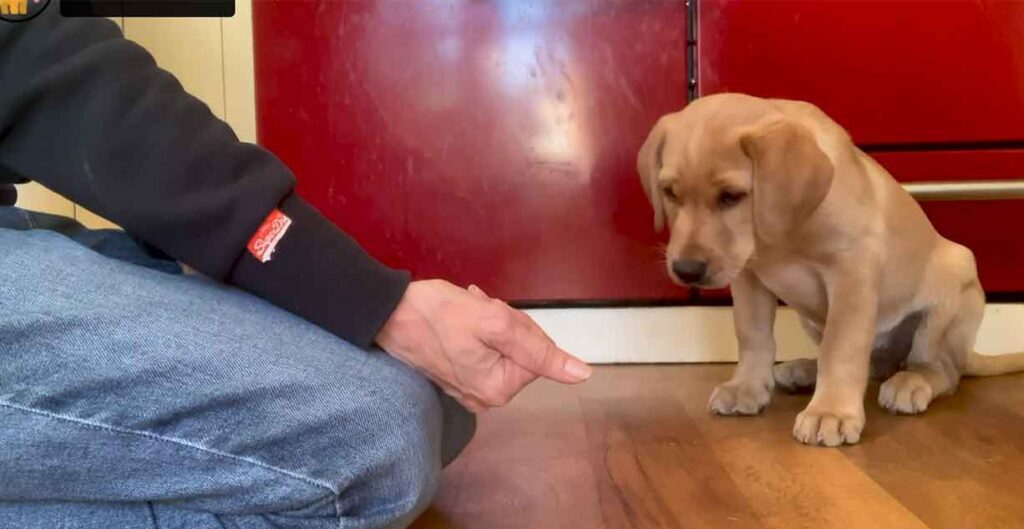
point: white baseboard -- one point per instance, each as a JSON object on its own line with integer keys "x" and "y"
{"x": 705, "y": 334}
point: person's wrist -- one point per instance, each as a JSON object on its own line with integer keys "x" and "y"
{"x": 407, "y": 314}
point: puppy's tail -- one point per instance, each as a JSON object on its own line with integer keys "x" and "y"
{"x": 979, "y": 365}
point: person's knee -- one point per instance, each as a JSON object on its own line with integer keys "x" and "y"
{"x": 403, "y": 450}
{"x": 379, "y": 448}
{"x": 415, "y": 447}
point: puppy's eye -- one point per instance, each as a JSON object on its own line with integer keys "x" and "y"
{"x": 669, "y": 192}
{"x": 728, "y": 199}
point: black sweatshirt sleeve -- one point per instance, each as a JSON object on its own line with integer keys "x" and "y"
{"x": 89, "y": 114}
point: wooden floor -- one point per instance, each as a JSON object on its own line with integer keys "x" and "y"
{"x": 634, "y": 448}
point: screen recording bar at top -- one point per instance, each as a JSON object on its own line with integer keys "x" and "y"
{"x": 147, "y": 8}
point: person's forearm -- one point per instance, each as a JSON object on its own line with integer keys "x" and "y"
{"x": 90, "y": 115}
{"x": 320, "y": 273}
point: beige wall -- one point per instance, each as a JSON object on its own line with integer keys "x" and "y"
{"x": 224, "y": 81}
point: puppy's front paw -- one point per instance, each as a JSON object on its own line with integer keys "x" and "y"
{"x": 740, "y": 398}
{"x": 828, "y": 428}
{"x": 905, "y": 392}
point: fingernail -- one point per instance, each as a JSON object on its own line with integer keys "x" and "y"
{"x": 578, "y": 370}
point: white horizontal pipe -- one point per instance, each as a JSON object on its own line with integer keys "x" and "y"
{"x": 967, "y": 190}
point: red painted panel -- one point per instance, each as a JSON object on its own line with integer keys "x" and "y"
{"x": 891, "y": 72}
{"x": 489, "y": 142}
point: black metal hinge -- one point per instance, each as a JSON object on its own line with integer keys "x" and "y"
{"x": 691, "y": 50}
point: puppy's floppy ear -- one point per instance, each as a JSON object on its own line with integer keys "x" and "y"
{"x": 648, "y": 165}
{"x": 791, "y": 177}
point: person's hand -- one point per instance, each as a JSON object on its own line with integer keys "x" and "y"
{"x": 477, "y": 349}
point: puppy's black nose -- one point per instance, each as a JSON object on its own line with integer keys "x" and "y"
{"x": 689, "y": 271}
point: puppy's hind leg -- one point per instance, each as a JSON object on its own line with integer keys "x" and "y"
{"x": 798, "y": 376}
{"x": 941, "y": 347}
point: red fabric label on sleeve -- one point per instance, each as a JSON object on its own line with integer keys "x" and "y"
{"x": 263, "y": 243}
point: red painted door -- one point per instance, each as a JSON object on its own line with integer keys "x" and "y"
{"x": 493, "y": 141}
{"x": 489, "y": 142}
{"x": 934, "y": 90}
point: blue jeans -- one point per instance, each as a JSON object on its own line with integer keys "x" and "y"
{"x": 132, "y": 396}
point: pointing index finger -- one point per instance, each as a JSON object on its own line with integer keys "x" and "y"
{"x": 526, "y": 344}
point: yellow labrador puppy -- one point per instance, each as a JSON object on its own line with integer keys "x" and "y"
{"x": 772, "y": 197}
